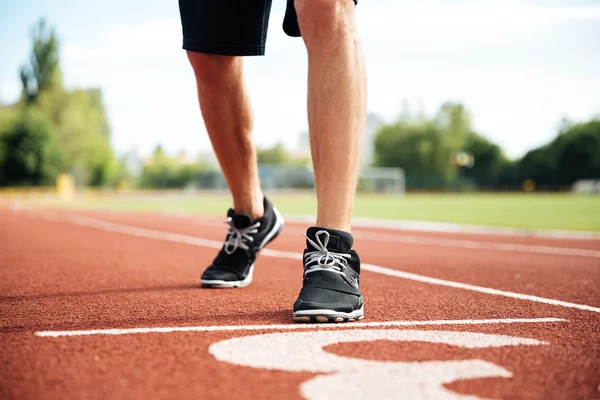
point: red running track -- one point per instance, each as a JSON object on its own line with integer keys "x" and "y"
{"x": 92, "y": 271}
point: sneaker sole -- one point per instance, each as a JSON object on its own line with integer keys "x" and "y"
{"x": 220, "y": 284}
{"x": 328, "y": 316}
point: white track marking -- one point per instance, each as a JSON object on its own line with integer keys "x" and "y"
{"x": 448, "y": 227}
{"x": 178, "y": 238}
{"x": 472, "y": 244}
{"x": 410, "y": 225}
{"x": 133, "y": 230}
{"x": 474, "y": 288}
{"x": 353, "y": 378}
{"x": 387, "y": 223}
{"x": 133, "y": 331}
{"x": 407, "y": 226}
{"x": 419, "y": 240}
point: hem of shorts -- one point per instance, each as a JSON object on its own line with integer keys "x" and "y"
{"x": 223, "y": 50}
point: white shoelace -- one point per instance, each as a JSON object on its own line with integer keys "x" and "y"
{"x": 325, "y": 260}
{"x": 238, "y": 237}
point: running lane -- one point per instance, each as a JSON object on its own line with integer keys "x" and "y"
{"x": 535, "y": 266}
{"x": 56, "y": 276}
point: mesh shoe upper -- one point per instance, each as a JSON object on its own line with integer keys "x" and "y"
{"x": 331, "y": 272}
{"x": 245, "y": 238}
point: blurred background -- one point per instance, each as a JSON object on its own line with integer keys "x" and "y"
{"x": 482, "y": 112}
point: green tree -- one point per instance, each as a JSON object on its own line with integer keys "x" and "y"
{"x": 577, "y": 153}
{"x": 455, "y": 122}
{"x": 42, "y": 73}
{"x": 159, "y": 152}
{"x": 412, "y": 147}
{"x": 489, "y": 161}
{"x": 274, "y": 155}
{"x": 424, "y": 147}
{"x": 84, "y": 133}
{"x": 418, "y": 149}
{"x": 8, "y": 116}
{"x": 572, "y": 155}
{"x": 29, "y": 152}
{"x": 79, "y": 117}
{"x": 508, "y": 177}
{"x": 164, "y": 172}
{"x": 538, "y": 165}
{"x": 427, "y": 148}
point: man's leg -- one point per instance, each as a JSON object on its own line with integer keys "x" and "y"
{"x": 253, "y": 221}
{"x": 336, "y": 104}
{"x": 216, "y": 35}
{"x": 227, "y": 116}
{"x": 336, "y": 116}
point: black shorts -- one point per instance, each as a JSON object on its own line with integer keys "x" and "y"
{"x": 231, "y": 27}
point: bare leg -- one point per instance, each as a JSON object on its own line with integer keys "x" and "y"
{"x": 336, "y": 105}
{"x": 227, "y": 115}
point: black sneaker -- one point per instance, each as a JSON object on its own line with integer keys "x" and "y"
{"x": 234, "y": 265}
{"x": 330, "y": 288}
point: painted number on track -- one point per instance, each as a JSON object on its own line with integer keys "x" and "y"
{"x": 352, "y": 378}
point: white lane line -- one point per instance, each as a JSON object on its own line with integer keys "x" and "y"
{"x": 352, "y": 325}
{"x": 177, "y": 238}
{"x": 386, "y": 223}
{"x": 90, "y": 222}
{"x": 474, "y": 288}
{"x": 428, "y": 241}
{"x": 420, "y": 226}
{"x": 449, "y": 227}
{"x": 472, "y": 244}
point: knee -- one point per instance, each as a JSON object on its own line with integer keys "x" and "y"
{"x": 210, "y": 68}
{"x": 321, "y": 18}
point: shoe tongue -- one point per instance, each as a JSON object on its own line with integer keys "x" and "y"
{"x": 240, "y": 221}
{"x": 339, "y": 241}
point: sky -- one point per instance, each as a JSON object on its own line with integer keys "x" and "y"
{"x": 519, "y": 66}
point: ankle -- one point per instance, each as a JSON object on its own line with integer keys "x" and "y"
{"x": 251, "y": 205}
{"x": 338, "y": 225}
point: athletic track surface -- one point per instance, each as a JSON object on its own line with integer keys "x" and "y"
{"x": 106, "y": 305}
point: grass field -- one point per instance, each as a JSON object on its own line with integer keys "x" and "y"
{"x": 542, "y": 211}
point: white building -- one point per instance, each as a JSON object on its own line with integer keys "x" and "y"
{"x": 372, "y": 125}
